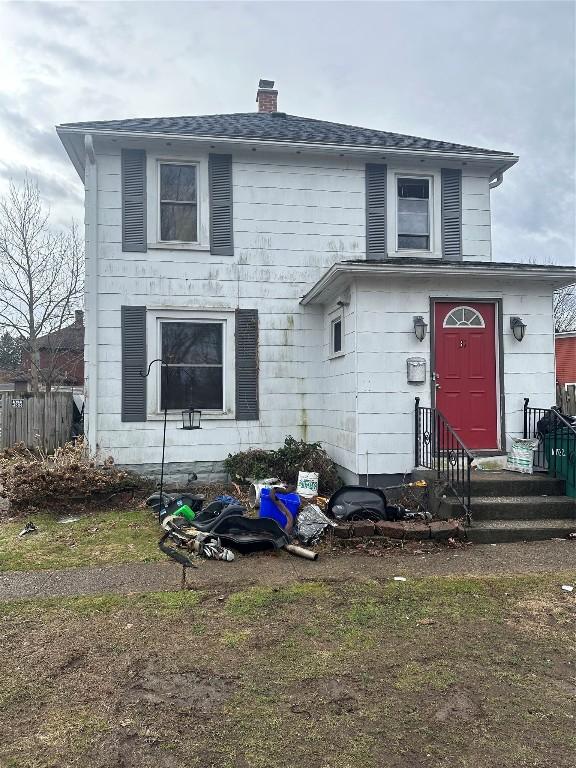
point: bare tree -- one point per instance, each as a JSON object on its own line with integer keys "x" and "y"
{"x": 565, "y": 309}
{"x": 41, "y": 272}
{"x": 564, "y": 301}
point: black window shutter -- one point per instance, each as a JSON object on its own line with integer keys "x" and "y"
{"x": 452, "y": 214}
{"x": 220, "y": 188}
{"x": 133, "y": 325}
{"x": 134, "y": 200}
{"x": 375, "y": 211}
{"x": 246, "y": 364}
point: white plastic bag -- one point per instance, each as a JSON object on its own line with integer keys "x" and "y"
{"x": 521, "y": 456}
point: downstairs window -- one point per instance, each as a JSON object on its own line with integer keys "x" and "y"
{"x": 194, "y": 351}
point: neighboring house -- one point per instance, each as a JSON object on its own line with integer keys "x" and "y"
{"x": 566, "y": 357}
{"x": 13, "y": 381}
{"x": 279, "y": 263}
{"x": 60, "y": 356}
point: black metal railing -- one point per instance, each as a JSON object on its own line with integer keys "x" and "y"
{"x": 532, "y": 418}
{"x": 438, "y": 447}
{"x": 556, "y": 435}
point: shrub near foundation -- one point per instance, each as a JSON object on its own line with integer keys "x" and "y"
{"x": 285, "y": 463}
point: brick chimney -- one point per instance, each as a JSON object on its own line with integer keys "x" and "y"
{"x": 267, "y": 97}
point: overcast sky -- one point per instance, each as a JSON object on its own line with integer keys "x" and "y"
{"x": 493, "y": 74}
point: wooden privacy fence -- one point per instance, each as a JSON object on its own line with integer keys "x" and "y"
{"x": 42, "y": 420}
{"x": 566, "y": 399}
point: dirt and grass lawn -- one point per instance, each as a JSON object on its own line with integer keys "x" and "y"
{"x": 331, "y": 664}
{"x": 432, "y": 672}
{"x": 93, "y": 538}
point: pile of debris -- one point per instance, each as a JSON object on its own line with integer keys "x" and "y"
{"x": 288, "y": 517}
{"x": 31, "y": 478}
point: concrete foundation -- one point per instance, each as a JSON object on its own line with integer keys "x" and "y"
{"x": 374, "y": 481}
{"x": 183, "y": 474}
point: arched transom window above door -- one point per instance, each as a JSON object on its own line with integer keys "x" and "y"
{"x": 463, "y": 317}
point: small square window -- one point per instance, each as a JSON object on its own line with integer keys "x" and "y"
{"x": 413, "y": 214}
{"x": 178, "y": 203}
{"x": 336, "y": 336}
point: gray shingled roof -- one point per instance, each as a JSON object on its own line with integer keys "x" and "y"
{"x": 277, "y": 126}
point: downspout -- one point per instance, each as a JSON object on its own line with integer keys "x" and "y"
{"x": 91, "y": 293}
{"x": 355, "y": 287}
{"x": 496, "y": 179}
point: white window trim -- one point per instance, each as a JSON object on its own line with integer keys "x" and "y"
{"x": 202, "y": 202}
{"x": 333, "y": 317}
{"x": 154, "y": 318}
{"x": 430, "y": 181}
{"x": 434, "y": 208}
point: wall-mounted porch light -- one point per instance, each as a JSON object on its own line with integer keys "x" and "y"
{"x": 420, "y": 328}
{"x": 191, "y": 418}
{"x": 518, "y": 328}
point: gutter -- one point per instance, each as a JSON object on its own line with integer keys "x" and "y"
{"x": 508, "y": 160}
{"x": 561, "y": 275}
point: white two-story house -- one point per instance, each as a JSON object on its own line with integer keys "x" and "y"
{"x": 300, "y": 277}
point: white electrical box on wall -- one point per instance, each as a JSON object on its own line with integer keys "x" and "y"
{"x": 416, "y": 370}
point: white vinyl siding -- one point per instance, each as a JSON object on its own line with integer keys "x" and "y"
{"x": 476, "y": 229}
{"x": 294, "y": 216}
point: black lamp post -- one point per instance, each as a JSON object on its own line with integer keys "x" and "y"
{"x": 190, "y": 420}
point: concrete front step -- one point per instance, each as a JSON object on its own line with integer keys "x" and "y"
{"x": 518, "y": 507}
{"x": 505, "y": 483}
{"x": 515, "y": 484}
{"x": 501, "y": 531}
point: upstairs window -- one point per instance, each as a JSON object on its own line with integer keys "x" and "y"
{"x": 194, "y": 352}
{"x": 178, "y": 202}
{"x": 413, "y": 214}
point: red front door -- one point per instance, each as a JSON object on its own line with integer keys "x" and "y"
{"x": 465, "y": 363}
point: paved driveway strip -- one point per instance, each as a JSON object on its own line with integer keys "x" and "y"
{"x": 275, "y": 570}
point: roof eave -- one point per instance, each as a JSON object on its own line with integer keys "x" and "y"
{"x": 566, "y": 334}
{"x": 505, "y": 160}
{"x": 78, "y": 160}
{"x": 558, "y": 276}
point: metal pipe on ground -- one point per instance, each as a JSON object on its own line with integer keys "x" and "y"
{"x": 307, "y": 554}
